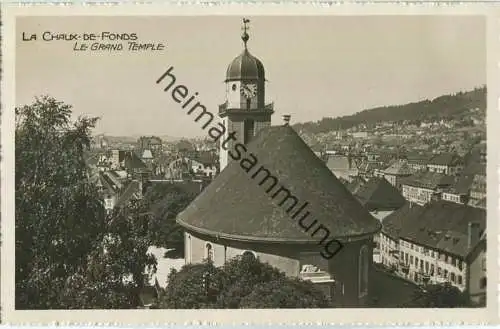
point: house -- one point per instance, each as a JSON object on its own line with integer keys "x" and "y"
{"x": 436, "y": 243}
{"x": 397, "y": 171}
{"x": 379, "y": 196}
{"x": 342, "y": 166}
{"x": 476, "y": 275}
{"x": 152, "y": 143}
{"x": 423, "y": 187}
{"x": 446, "y": 163}
{"x": 417, "y": 161}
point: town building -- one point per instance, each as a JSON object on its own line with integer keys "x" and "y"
{"x": 446, "y": 163}
{"x": 342, "y": 166}
{"x": 422, "y": 187}
{"x": 437, "y": 243}
{"x": 396, "y": 172}
{"x": 247, "y": 211}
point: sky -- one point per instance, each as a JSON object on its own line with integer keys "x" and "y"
{"x": 324, "y": 66}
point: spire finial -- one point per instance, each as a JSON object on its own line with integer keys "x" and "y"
{"x": 245, "y": 28}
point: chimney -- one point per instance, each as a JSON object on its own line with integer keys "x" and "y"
{"x": 286, "y": 119}
{"x": 473, "y": 234}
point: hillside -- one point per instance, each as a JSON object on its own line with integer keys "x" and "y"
{"x": 444, "y": 107}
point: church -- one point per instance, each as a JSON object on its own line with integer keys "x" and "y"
{"x": 235, "y": 214}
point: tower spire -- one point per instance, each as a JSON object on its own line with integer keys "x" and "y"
{"x": 245, "y": 28}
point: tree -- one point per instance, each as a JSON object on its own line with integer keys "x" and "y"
{"x": 195, "y": 286}
{"x": 285, "y": 293}
{"x": 243, "y": 282}
{"x": 439, "y": 296}
{"x": 164, "y": 202}
{"x": 69, "y": 254}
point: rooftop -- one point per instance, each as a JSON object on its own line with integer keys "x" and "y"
{"x": 234, "y": 206}
{"x": 440, "y": 225}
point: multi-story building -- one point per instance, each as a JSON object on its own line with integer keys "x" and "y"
{"x": 446, "y": 163}
{"x": 396, "y": 172}
{"x": 436, "y": 243}
{"x": 423, "y": 187}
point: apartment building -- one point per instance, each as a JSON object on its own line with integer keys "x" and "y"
{"x": 437, "y": 243}
{"x": 446, "y": 163}
{"x": 422, "y": 187}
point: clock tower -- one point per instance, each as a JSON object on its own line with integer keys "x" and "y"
{"x": 244, "y": 111}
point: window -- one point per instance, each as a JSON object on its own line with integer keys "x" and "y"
{"x": 439, "y": 271}
{"x": 421, "y": 264}
{"x": 427, "y": 266}
{"x": 482, "y": 283}
{"x": 460, "y": 265}
{"x": 248, "y": 126}
{"x": 460, "y": 279}
{"x": 452, "y": 276}
{"x": 484, "y": 263}
{"x": 432, "y": 269}
{"x": 363, "y": 271}
{"x": 249, "y": 255}
{"x": 209, "y": 252}
{"x": 446, "y": 274}
{"x": 416, "y": 262}
{"x": 411, "y": 259}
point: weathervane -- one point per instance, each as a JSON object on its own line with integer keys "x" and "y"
{"x": 245, "y": 28}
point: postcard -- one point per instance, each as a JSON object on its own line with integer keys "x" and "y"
{"x": 250, "y": 164}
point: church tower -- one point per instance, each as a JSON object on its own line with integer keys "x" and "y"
{"x": 244, "y": 111}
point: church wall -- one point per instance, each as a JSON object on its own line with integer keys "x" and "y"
{"x": 276, "y": 255}
{"x": 344, "y": 266}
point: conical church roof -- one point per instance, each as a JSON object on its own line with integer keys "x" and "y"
{"x": 235, "y": 206}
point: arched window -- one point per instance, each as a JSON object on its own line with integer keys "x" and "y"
{"x": 363, "y": 271}
{"x": 209, "y": 252}
{"x": 249, "y": 255}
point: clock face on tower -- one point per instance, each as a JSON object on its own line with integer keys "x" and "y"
{"x": 248, "y": 90}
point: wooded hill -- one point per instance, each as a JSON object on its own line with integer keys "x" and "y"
{"x": 455, "y": 106}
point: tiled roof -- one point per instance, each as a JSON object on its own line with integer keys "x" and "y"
{"x": 441, "y": 225}
{"x": 369, "y": 166}
{"x": 445, "y": 159}
{"x": 461, "y": 186}
{"x": 379, "y": 194}
{"x": 132, "y": 161}
{"x": 475, "y": 168}
{"x": 399, "y": 168}
{"x": 234, "y": 206}
{"x": 429, "y": 180}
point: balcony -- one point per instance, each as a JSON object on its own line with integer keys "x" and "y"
{"x": 268, "y": 109}
{"x": 315, "y": 275}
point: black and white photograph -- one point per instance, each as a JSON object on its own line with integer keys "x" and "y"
{"x": 250, "y": 162}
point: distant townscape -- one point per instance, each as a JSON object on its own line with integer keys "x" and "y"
{"x": 163, "y": 222}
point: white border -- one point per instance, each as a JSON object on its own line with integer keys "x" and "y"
{"x": 310, "y": 316}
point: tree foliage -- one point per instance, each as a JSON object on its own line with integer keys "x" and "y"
{"x": 439, "y": 296}
{"x": 243, "y": 282}
{"x": 443, "y": 107}
{"x": 164, "y": 202}
{"x": 69, "y": 253}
